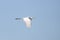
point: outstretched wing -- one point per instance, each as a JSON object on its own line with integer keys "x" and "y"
{"x": 27, "y": 22}
{"x": 18, "y": 18}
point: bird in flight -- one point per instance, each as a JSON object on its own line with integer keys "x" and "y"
{"x": 27, "y": 20}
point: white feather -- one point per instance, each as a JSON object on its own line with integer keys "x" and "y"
{"x": 27, "y": 22}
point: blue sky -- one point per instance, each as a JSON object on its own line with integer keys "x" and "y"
{"x": 45, "y": 26}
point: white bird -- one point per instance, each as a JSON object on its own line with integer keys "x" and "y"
{"x": 27, "y": 20}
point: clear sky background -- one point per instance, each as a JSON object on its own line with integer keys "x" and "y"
{"x": 45, "y": 26}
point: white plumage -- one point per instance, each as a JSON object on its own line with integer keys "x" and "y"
{"x": 27, "y": 20}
